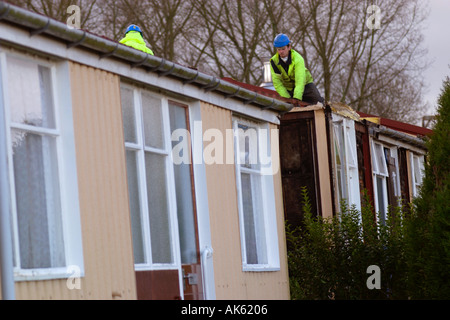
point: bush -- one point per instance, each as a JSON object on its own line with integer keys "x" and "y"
{"x": 328, "y": 259}
{"x": 428, "y": 250}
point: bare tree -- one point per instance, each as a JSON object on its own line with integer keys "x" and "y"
{"x": 57, "y": 9}
{"x": 375, "y": 70}
{"x": 162, "y": 23}
{"x": 110, "y": 20}
{"x": 238, "y": 28}
{"x": 371, "y": 69}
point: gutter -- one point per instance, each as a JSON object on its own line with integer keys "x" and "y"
{"x": 40, "y": 24}
{"x": 376, "y": 130}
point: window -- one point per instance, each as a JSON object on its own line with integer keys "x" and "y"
{"x": 160, "y": 190}
{"x": 147, "y": 153}
{"x": 340, "y": 161}
{"x": 380, "y": 175}
{"x": 416, "y": 173}
{"x": 42, "y": 168}
{"x": 346, "y": 162}
{"x": 394, "y": 191}
{"x": 386, "y": 179}
{"x": 257, "y": 215}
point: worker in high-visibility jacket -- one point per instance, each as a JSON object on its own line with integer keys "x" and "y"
{"x": 133, "y": 38}
{"x": 290, "y": 77}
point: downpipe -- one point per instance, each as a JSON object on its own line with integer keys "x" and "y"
{"x": 6, "y": 255}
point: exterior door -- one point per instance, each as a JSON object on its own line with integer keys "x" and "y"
{"x": 191, "y": 269}
{"x": 184, "y": 278}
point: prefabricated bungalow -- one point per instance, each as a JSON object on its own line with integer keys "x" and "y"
{"x": 132, "y": 177}
{"x": 339, "y": 154}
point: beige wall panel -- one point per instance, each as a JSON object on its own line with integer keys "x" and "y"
{"x": 103, "y": 194}
{"x": 323, "y": 164}
{"x": 282, "y": 280}
{"x": 231, "y": 282}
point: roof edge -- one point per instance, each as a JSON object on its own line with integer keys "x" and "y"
{"x": 108, "y": 48}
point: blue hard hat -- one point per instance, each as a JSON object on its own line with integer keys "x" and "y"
{"x": 281, "y": 40}
{"x": 133, "y": 27}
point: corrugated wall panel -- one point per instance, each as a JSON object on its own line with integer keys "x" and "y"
{"x": 103, "y": 194}
{"x": 231, "y": 282}
{"x": 282, "y": 280}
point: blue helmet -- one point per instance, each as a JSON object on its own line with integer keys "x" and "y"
{"x": 133, "y": 27}
{"x": 281, "y": 40}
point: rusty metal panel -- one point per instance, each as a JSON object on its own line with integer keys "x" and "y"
{"x": 297, "y": 154}
{"x": 158, "y": 285}
{"x": 404, "y": 177}
{"x": 364, "y": 161}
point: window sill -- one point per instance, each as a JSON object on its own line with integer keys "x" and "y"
{"x": 259, "y": 268}
{"x": 48, "y": 273}
{"x": 147, "y": 267}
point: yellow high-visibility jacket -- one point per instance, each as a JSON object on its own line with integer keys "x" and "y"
{"x": 294, "y": 79}
{"x": 134, "y": 39}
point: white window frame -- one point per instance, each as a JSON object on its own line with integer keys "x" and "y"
{"x": 396, "y": 178}
{"x": 67, "y": 170}
{"x": 268, "y": 222}
{"x": 349, "y": 183}
{"x": 200, "y": 186}
{"x": 166, "y": 151}
{"x": 379, "y": 171}
{"x": 417, "y": 172}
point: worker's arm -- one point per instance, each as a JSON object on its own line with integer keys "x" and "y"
{"x": 300, "y": 77}
{"x": 278, "y": 82}
{"x": 148, "y": 50}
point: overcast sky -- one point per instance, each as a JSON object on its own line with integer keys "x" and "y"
{"x": 437, "y": 40}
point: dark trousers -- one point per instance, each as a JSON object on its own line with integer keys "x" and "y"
{"x": 310, "y": 94}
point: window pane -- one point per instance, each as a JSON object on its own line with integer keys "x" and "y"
{"x": 153, "y": 123}
{"x": 30, "y": 93}
{"x": 337, "y": 152}
{"x": 158, "y": 209}
{"x": 380, "y": 159}
{"x": 342, "y": 194}
{"x": 135, "y": 207}
{"x": 351, "y": 157}
{"x": 248, "y": 146}
{"x": 339, "y": 143}
{"x": 381, "y": 201}
{"x": 128, "y": 114}
{"x": 184, "y": 196}
{"x": 38, "y": 201}
{"x": 255, "y": 240}
{"x": 417, "y": 170}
